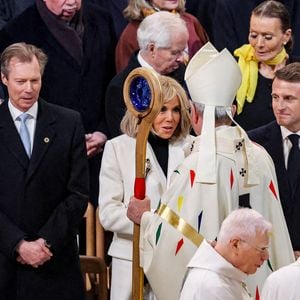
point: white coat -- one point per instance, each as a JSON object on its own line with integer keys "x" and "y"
{"x": 212, "y": 277}
{"x": 117, "y": 178}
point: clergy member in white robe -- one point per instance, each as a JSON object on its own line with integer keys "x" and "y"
{"x": 284, "y": 284}
{"x": 213, "y": 278}
{"x": 219, "y": 272}
{"x": 223, "y": 172}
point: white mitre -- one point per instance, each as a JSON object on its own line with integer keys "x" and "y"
{"x": 212, "y": 78}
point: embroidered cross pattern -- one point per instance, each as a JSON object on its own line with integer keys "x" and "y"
{"x": 243, "y": 172}
{"x": 238, "y": 146}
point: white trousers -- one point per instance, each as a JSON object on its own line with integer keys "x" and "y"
{"x": 121, "y": 281}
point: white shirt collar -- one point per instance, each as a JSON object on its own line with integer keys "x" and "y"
{"x": 285, "y": 132}
{"x": 32, "y": 111}
{"x": 207, "y": 257}
{"x": 143, "y": 63}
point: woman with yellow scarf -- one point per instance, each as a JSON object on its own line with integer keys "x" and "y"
{"x": 137, "y": 10}
{"x": 270, "y": 41}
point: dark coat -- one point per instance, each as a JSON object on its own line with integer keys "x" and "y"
{"x": 269, "y": 136}
{"x": 65, "y": 82}
{"x": 9, "y": 9}
{"x": 46, "y": 197}
{"x": 115, "y": 107}
{"x": 204, "y": 11}
{"x": 115, "y": 8}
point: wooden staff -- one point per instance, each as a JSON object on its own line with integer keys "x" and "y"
{"x": 143, "y": 98}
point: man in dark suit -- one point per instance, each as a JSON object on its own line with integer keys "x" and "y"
{"x": 281, "y": 139}
{"x": 79, "y": 41}
{"x": 164, "y": 53}
{"x": 43, "y": 185}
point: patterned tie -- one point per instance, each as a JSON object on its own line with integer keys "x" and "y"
{"x": 294, "y": 161}
{"x": 24, "y": 133}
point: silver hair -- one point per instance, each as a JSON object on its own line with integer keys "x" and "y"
{"x": 243, "y": 223}
{"x": 220, "y": 112}
{"x": 158, "y": 28}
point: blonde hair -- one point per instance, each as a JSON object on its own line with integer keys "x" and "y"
{"x": 134, "y": 9}
{"x": 170, "y": 89}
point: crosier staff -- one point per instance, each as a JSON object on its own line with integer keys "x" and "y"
{"x": 143, "y": 98}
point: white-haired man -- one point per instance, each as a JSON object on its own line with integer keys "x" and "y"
{"x": 162, "y": 39}
{"x": 219, "y": 272}
{"x": 224, "y": 171}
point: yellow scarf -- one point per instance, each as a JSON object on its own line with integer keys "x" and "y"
{"x": 249, "y": 68}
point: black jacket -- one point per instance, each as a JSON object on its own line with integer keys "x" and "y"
{"x": 269, "y": 136}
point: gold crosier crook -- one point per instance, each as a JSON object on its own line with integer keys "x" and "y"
{"x": 143, "y": 98}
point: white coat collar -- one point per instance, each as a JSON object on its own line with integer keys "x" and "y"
{"x": 206, "y": 257}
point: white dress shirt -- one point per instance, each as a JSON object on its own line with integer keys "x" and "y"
{"x": 287, "y": 144}
{"x": 31, "y": 122}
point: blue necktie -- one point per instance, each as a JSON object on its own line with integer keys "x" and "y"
{"x": 24, "y": 133}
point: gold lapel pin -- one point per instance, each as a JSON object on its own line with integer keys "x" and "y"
{"x": 46, "y": 140}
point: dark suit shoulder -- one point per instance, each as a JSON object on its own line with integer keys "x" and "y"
{"x": 260, "y": 134}
{"x": 119, "y": 78}
{"x": 23, "y": 21}
{"x": 28, "y": 24}
{"x": 58, "y": 110}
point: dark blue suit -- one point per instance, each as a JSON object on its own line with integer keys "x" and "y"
{"x": 269, "y": 136}
{"x": 45, "y": 197}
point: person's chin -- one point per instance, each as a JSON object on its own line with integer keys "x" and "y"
{"x": 172, "y": 69}
{"x": 282, "y": 120}
{"x": 165, "y": 135}
{"x": 264, "y": 57}
{"x": 253, "y": 271}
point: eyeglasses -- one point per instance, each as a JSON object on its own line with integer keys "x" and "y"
{"x": 262, "y": 250}
{"x": 175, "y": 53}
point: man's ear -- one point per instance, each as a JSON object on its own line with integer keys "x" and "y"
{"x": 235, "y": 244}
{"x": 233, "y": 110}
{"x": 4, "y": 79}
{"x": 151, "y": 49}
{"x": 196, "y": 119}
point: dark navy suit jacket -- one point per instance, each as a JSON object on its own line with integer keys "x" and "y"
{"x": 45, "y": 196}
{"x": 269, "y": 136}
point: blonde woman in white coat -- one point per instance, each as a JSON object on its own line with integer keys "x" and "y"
{"x": 165, "y": 150}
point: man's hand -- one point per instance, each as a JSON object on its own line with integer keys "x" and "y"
{"x": 136, "y": 208}
{"x": 94, "y": 143}
{"x": 297, "y": 254}
{"x": 33, "y": 253}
